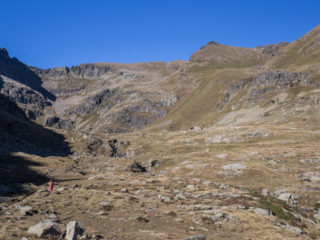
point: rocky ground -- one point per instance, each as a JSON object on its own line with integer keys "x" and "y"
{"x": 246, "y": 184}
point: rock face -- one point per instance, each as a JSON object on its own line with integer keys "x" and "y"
{"x": 45, "y": 229}
{"x": 14, "y": 69}
{"x": 107, "y": 98}
{"x": 257, "y": 87}
{"x": 54, "y": 121}
{"x": 272, "y": 49}
{"x": 108, "y": 101}
{"x": 112, "y": 148}
{"x": 88, "y": 71}
{"x": 30, "y": 101}
{"x": 73, "y": 231}
{"x": 280, "y": 79}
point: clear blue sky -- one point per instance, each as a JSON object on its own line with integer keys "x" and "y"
{"x": 52, "y": 33}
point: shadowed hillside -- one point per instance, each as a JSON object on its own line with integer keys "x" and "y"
{"x": 13, "y": 68}
{"x": 20, "y": 135}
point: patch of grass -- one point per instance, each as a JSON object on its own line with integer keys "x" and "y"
{"x": 276, "y": 206}
{"x": 317, "y": 206}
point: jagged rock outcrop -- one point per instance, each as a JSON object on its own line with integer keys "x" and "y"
{"x": 54, "y": 121}
{"x": 87, "y": 71}
{"x": 266, "y": 82}
{"x": 94, "y": 102}
{"x": 272, "y": 49}
{"x": 19, "y": 72}
{"x": 112, "y": 148}
{"x": 280, "y": 79}
{"x": 30, "y": 101}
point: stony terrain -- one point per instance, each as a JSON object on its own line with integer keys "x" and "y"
{"x": 224, "y": 146}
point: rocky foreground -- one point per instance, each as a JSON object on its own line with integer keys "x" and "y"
{"x": 195, "y": 184}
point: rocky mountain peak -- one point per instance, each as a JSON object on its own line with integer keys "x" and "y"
{"x": 213, "y": 43}
{"x": 4, "y": 53}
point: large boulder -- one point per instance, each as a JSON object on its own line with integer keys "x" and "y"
{"x": 46, "y": 229}
{"x": 137, "y": 167}
{"x": 73, "y": 231}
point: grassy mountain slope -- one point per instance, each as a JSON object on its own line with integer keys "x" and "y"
{"x": 303, "y": 51}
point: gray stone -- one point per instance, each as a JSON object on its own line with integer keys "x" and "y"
{"x": 137, "y": 167}
{"x": 52, "y": 216}
{"x": 107, "y": 206}
{"x": 214, "y": 218}
{"x": 26, "y": 210}
{"x": 234, "y": 166}
{"x": 262, "y": 211}
{"x": 293, "y": 229}
{"x": 180, "y": 196}
{"x": 196, "y": 237}
{"x": 61, "y": 189}
{"x": 282, "y": 195}
{"x": 317, "y": 216}
{"x": 73, "y": 231}
{"x": 163, "y": 198}
{"x": 191, "y": 187}
{"x": 45, "y": 228}
{"x": 124, "y": 190}
{"x": 265, "y": 192}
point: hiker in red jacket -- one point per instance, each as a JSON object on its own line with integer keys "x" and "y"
{"x": 51, "y": 186}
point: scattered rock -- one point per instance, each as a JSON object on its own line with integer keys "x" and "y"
{"x": 73, "y": 231}
{"x": 293, "y": 229}
{"x": 317, "y": 216}
{"x": 310, "y": 176}
{"x": 163, "y": 198}
{"x": 196, "y": 237}
{"x": 25, "y": 210}
{"x": 196, "y": 129}
{"x": 234, "y": 166}
{"x": 272, "y": 162}
{"x": 137, "y": 167}
{"x": 180, "y": 220}
{"x": 262, "y": 211}
{"x": 45, "y": 229}
{"x": 265, "y": 192}
{"x": 154, "y": 163}
{"x": 191, "y": 187}
{"x": 281, "y": 194}
{"x": 107, "y": 206}
{"x": 142, "y": 219}
{"x": 214, "y": 218}
{"x": 222, "y": 155}
{"x": 180, "y": 196}
{"x": 52, "y": 216}
{"x": 171, "y": 213}
{"x": 61, "y": 189}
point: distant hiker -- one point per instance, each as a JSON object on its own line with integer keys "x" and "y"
{"x": 51, "y": 186}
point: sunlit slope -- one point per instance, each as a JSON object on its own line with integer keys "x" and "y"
{"x": 303, "y": 51}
